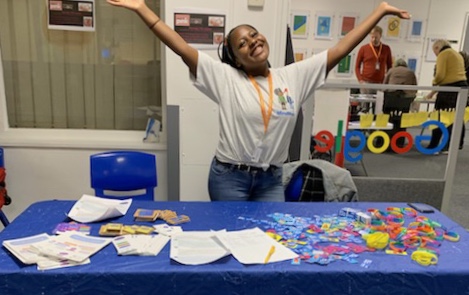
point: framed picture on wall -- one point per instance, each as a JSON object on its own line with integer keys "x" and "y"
{"x": 393, "y": 27}
{"x": 412, "y": 62}
{"x": 323, "y": 29}
{"x": 300, "y": 53}
{"x": 415, "y": 30}
{"x": 344, "y": 68}
{"x": 202, "y": 29}
{"x": 429, "y": 54}
{"x": 65, "y": 15}
{"x": 348, "y": 21}
{"x": 300, "y": 24}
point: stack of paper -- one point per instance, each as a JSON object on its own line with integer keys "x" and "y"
{"x": 250, "y": 246}
{"x": 142, "y": 245}
{"x": 90, "y": 209}
{"x": 24, "y": 250}
{"x": 71, "y": 246}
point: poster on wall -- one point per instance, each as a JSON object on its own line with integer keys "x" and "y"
{"x": 323, "y": 26}
{"x": 412, "y": 62}
{"x": 300, "y": 24}
{"x": 429, "y": 54}
{"x": 393, "y": 27}
{"x": 201, "y": 29}
{"x": 300, "y": 54}
{"x": 347, "y": 23}
{"x": 72, "y": 15}
{"x": 344, "y": 67}
{"x": 415, "y": 30}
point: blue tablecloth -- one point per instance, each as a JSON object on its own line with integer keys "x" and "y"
{"x": 111, "y": 274}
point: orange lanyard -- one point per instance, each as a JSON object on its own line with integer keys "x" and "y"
{"x": 266, "y": 114}
{"x": 377, "y": 55}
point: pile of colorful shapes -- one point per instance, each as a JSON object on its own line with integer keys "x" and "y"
{"x": 328, "y": 238}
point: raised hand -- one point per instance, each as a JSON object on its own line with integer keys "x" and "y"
{"x": 129, "y": 4}
{"x": 395, "y": 11}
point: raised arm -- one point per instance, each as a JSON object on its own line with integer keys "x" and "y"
{"x": 167, "y": 35}
{"x": 355, "y": 36}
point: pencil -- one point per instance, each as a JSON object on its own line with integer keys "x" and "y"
{"x": 271, "y": 251}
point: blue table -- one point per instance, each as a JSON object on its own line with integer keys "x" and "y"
{"x": 111, "y": 274}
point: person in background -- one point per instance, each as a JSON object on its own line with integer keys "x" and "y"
{"x": 373, "y": 60}
{"x": 400, "y": 100}
{"x": 449, "y": 71}
{"x": 255, "y": 131}
{"x": 465, "y": 57}
{"x": 400, "y": 74}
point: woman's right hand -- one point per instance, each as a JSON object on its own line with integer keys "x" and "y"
{"x": 129, "y": 4}
{"x": 404, "y": 14}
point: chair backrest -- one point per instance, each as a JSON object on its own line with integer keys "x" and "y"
{"x": 317, "y": 181}
{"x": 124, "y": 174}
{"x": 397, "y": 101}
{"x": 306, "y": 185}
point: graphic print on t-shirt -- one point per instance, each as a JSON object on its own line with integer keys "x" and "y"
{"x": 283, "y": 99}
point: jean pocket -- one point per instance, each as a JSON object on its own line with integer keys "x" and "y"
{"x": 220, "y": 169}
{"x": 277, "y": 173}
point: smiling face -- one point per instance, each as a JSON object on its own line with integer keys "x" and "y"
{"x": 250, "y": 49}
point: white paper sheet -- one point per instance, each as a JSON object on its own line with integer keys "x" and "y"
{"x": 24, "y": 250}
{"x": 194, "y": 248}
{"x": 167, "y": 230}
{"x": 53, "y": 264}
{"x": 72, "y": 246}
{"x": 252, "y": 246}
{"x": 143, "y": 245}
{"x": 91, "y": 209}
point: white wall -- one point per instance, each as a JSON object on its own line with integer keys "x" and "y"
{"x": 198, "y": 114}
{"x": 446, "y": 18}
{"x": 35, "y": 174}
{"x": 400, "y": 47}
{"x": 441, "y": 19}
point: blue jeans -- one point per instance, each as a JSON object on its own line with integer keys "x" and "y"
{"x": 231, "y": 184}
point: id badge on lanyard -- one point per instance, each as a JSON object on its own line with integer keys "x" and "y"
{"x": 377, "y": 55}
{"x": 257, "y": 154}
{"x": 260, "y": 150}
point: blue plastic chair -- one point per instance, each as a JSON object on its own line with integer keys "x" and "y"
{"x": 124, "y": 174}
{"x": 293, "y": 188}
{"x": 3, "y": 217}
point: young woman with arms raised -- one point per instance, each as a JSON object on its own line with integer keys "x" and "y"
{"x": 258, "y": 105}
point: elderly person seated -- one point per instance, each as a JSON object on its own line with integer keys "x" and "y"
{"x": 396, "y": 101}
{"x": 400, "y": 74}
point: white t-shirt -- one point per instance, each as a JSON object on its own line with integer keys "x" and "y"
{"x": 242, "y": 138}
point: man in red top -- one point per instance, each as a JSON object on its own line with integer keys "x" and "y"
{"x": 373, "y": 60}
